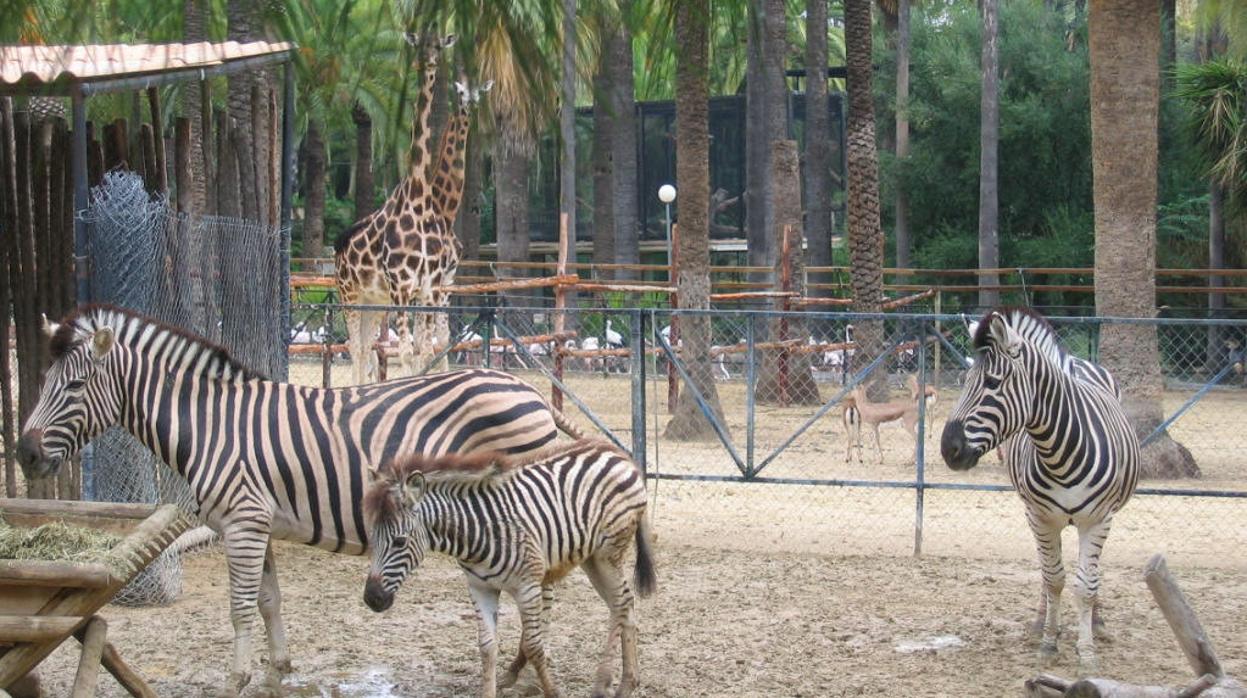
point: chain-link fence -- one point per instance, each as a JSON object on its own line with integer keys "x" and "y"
{"x": 216, "y": 277}
{"x": 780, "y": 467}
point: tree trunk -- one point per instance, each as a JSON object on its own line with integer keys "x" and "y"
{"x": 864, "y": 233}
{"x": 468, "y": 222}
{"x": 567, "y": 131}
{"x": 622, "y": 101}
{"x": 1124, "y": 38}
{"x": 903, "y": 243}
{"x": 365, "y": 190}
{"x": 786, "y": 379}
{"x": 692, "y": 114}
{"x": 1216, "y": 260}
{"x": 1169, "y": 57}
{"x": 817, "y": 142}
{"x": 511, "y": 206}
{"x": 193, "y": 29}
{"x": 989, "y": 138}
{"x": 314, "y": 194}
{"x": 603, "y": 184}
{"x": 757, "y": 154}
{"x": 243, "y": 25}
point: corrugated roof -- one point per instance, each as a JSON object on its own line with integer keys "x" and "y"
{"x": 45, "y": 64}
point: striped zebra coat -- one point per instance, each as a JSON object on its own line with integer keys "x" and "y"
{"x": 263, "y": 459}
{"x": 519, "y": 524}
{"x": 1071, "y": 452}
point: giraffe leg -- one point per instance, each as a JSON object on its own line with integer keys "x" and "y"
{"x": 612, "y": 585}
{"x": 1048, "y": 541}
{"x": 406, "y": 340}
{"x": 370, "y": 332}
{"x": 244, "y": 554}
{"x": 532, "y": 644}
{"x": 1086, "y": 589}
{"x": 486, "y": 601}
{"x": 270, "y": 611}
{"x": 355, "y": 344}
{"x": 442, "y": 333}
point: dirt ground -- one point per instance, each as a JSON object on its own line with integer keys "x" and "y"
{"x": 724, "y": 623}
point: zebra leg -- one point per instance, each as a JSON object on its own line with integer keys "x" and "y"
{"x": 486, "y": 601}
{"x": 1086, "y": 588}
{"x": 270, "y": 611}
{"x": 521, "y": 659}
{"x": 612, "y": 585}
{"x": 244, "y": 554}
{"x": 528, "y": 598}
{"x": 1048, "y": 541}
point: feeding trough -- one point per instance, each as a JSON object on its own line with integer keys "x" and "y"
{"x": 44, "y": 602}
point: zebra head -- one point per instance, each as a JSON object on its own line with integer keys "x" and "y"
{"x": 398, "y": 535}
{"x": 81, "y": 395}
{"x": 994, "y": 403}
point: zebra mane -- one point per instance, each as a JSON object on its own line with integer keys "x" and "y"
{"x": 188, "y": 349}
{"x": 1032, "y": 326}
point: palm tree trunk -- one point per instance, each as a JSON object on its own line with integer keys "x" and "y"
{"x": 903, "y": 243}
{"x": 1216, "y": 260}
{"x": 865, "y": 235}
{"x": 314, "y": 195}
{"x": 989, "y": 138}
{"x": 567, "y": 132}
{"x": 622, "y": 101}
{"x": 365, "y": 189}
{"x": 603, "y": 181}
{"x": 1124, "y": 41}
{"x": 757, "y": 154}
{"x": 243, "y": 24}
{"x": 692, "y": 113}
{"x": 511, "y": 205}
{"x": 817, "y": 140}
{"x": 193, "y": 25}
{"x": 468, "y": 222}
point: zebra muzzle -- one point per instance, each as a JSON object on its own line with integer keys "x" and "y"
{"x": 31, "y": 456}
{"x": 956, "y": 451}
{"x": 375, "y": 595}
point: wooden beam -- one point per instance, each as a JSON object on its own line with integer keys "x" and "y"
{"x": 46, "y": 573}
{"x": 37, "y": 628}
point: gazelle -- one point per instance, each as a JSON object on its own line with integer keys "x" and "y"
{"x": 859, "y": 410}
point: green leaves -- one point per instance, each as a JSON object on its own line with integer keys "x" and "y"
{"x": 1215, "y": 93}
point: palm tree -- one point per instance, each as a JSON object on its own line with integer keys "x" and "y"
{"x": 245, "y": 24}
{"x": 617, "y": 50}
{"x": 365, "y": 191}
{"x": 567, "y": 124}
{"x": 766, "y": 119}
{"x": 989, "y": 139}
{"x": 603, "y": 141}
{"x": 817, "y": 138}
{"x": 692, "y": 19}
{"x": 1124, "y": 42}
{"x": 865, "y": 235}
{"x": 903, "y": 242}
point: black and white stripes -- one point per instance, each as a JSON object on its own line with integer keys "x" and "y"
{"x": 518, "y": 525}
{"x": 1070, "y": 450}
{"x": 262, "y": 458}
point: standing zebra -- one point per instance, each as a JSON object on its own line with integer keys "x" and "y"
{"x": 1072, "y": 454}
{"x": 518, "y": 525}
{"x": 263, "y": 459}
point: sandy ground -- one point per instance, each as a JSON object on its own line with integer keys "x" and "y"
{"x": 724, "y": 623}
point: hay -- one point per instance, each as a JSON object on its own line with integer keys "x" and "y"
{"x": 55, "y": 541}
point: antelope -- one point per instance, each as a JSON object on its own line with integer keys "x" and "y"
{"x": 857, "y": 409}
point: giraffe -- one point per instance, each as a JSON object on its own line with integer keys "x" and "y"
{"x": 447, "y": 192}
{"x": 398, "y": 254}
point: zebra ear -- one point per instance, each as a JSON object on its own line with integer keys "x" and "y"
{"x": 49, "y": 328}
{"x": 1003, "y": 337}
{"x": 413, "y": 488}
{"x": 102, "y": 342}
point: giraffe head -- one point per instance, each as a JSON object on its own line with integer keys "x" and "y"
{"x": 430, "y": 46}
{"x": 469, "y": 95}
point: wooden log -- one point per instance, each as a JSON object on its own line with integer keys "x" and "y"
{"x": 183, "y": 177}
{"x": 116, "y": 148}
{"x": 8, "y": 220}
{"x": 42, "y": 512}
{"x": 1046, "y": 686}
{"x": 623, "y": 288}
{"x": 1182, "y": 619}
{"x": 749, "y": 295}
{"x": 560, "y": 307}
{"x": 161, "y": 162}
{"x": 125, "y": 676}
{"x": 62, "y": 259}
{"x": 93, "y": 638}
{"x": 47, "y": 573}
{"x": 512, "y": 284}
{"x": 907, "y": 300}
{"x": 811, "y": 302}
{"x": 95, "y": 157}
{"x": 147, "y": 142}
{"x": 36, "y": 628}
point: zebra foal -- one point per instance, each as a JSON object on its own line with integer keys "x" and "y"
{"x": 264, "y": 460}
{"x": 1070, "y": 450}
{"x": 518, "y": 524}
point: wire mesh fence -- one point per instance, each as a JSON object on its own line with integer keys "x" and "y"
{"x": 780, "y": 465}
{"x": 212, "y": 276}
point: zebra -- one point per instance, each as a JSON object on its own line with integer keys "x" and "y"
{"x": 518, "y": 524}
{"x": 263, "y": 459}
{"x": 1070, "y": 450}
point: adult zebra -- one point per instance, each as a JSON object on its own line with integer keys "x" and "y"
{"x": 263, "y": 459}
{"x": 1071, "y": 453}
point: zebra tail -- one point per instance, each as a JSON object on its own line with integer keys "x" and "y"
{"x": 565, "y": 425}
{"x": 643, "y": 574}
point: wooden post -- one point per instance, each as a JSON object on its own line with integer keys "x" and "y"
{"x": 208, "y": 152}
{"x": 673, "y": 264}
{"x": 147, "y": 139}
{"x": 95, "y": 157}
{"x": 1182, "y": 619}
{"x": 182, "y": 174}
{"x": 938, "y": 347}
{"x": 89, "y": 663}
{"x": 785, "y": 285}
{"x": 8, "y": 219}
{"x": 560, "y": 310}
{"x": 161, "y": 164}
{"x": 116, "y": 149}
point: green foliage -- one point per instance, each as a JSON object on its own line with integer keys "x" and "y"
{"x": 1215, "y": 93}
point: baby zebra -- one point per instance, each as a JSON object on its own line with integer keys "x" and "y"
{"x": 518, "y": 524}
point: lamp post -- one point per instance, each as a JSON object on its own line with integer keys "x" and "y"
{"x": 666, "y": 194}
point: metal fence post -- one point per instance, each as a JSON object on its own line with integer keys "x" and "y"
{"x": 751, "y": 384}
{"x": 920, "y": 447}
{"x": 326, "y": 353}
{"x": 637, "y": 341}
{"x": 487, "y": 338}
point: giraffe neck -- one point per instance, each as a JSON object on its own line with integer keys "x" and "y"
{"x": 448, "y": 178}
{"x": 414, "y": 187}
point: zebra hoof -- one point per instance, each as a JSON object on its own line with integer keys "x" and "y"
{"x": 1088, "y": 665}
{"x": 1047, "y": 652}
{"x": 233, "y": 687}
{"x": 1101, "y": 633}
{"x": 282, "y": 666}
{"x": 508, "y": 679}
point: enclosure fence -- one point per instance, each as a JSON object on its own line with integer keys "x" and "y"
{"x": 759, "y": 455}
